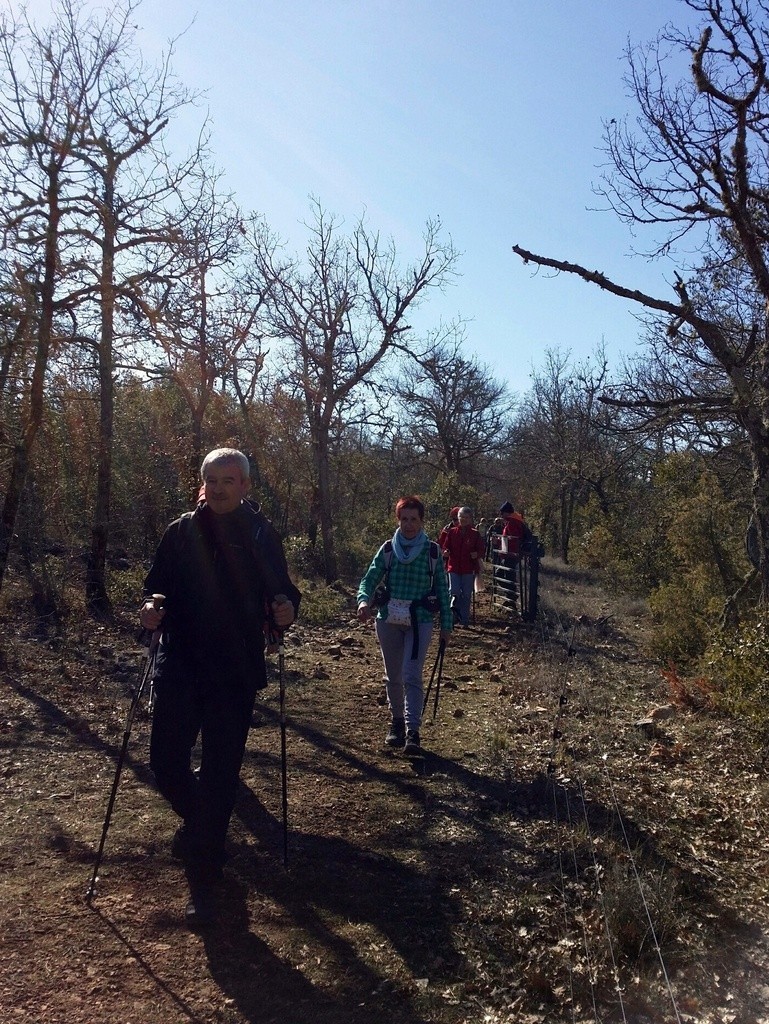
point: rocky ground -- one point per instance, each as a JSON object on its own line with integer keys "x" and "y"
{"x": 585, "y": 839}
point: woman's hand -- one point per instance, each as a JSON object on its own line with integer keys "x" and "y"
{"x": 364, "y": 612}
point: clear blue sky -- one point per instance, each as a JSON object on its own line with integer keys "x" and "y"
{"x": 486, "y": 113}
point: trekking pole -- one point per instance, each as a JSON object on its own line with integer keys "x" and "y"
{"x": 439, "y": 667}
{"x": 145, "y": 673}
{"x": 278, "y": 636}
{"x": 441, "y": 652}
{"x": 283, "y": 768}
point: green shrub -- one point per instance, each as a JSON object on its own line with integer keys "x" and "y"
{"x": 126, "y": 586}
{"x": 684, "y": 610}
{"x": 321, "y": 604}
{"x": 303, "y": 558}
{"x": 737, "y": 662}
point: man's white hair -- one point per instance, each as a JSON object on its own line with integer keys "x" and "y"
{"x": 221, "y": 455}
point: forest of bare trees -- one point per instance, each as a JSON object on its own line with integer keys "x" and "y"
{"x": 147, "y": 317}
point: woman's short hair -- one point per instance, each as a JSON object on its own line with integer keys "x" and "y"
{"x": 221, "y": 455}
{"x": 410, "y": 501}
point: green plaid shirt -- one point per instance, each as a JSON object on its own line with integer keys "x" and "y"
{"x": 408, "y": 581}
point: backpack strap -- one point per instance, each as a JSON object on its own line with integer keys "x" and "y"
{"x": 435, "y": 555}
{"x": 387, "y": 548}
{"x": 267, "y": 551}
{"x": 185, "y": 530}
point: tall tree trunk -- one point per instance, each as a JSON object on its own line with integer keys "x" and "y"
{"x": 22, "y": 451}
{"x": 760, "y": 460}
{"x": 564, "y": 529}
{"x": 97, "y": 597}
{"x": 323, "y": 475}
{"x": 32, "y": 540}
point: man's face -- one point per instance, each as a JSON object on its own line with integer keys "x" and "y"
{"x": 223, "y": 487}
{"x": 465, "y": 519}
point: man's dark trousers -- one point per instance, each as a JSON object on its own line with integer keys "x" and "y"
{"x": 215, "y": 702}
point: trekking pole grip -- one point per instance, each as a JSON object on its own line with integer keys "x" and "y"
{"x": 151, "y": 634}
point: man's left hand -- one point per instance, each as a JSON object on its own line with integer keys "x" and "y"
{"x": 282, "y": 612}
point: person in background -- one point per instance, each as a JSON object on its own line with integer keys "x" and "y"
{"x": 493, "y": 534}
{"x": 224, "y": 578}
{"x": 405, "y": 586}
{"x": 453, "y": 521}
{"x": 514, "y": 528}
{"x": 465, "y": 549}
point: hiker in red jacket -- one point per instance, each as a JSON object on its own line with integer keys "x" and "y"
{"x": 453, "y": 521}
{"x": 464, "y": 548}
{"x": 515, "y": 528}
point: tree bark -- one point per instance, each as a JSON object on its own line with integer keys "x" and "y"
{"x": 22, "y": 451}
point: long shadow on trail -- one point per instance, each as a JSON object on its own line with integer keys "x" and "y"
{"x": 489, "y": 806}
{"x": 332, "y": 886}
{"x": 58, "y": 722}
{"x": 368, "y": 884}
{"x": 476, "y": 796}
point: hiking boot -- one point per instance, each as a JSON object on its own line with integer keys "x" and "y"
{"x": 396, "y": 737}
{"x": 200, "y": 910}
{"x": 205, "y": 865}
{"x": 412, "y": 747}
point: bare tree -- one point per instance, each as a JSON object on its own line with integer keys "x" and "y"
{"x": 341, "y": 313}
{"x": 457, "y": 413}
{"x": 566, "y": 445}
{"x": 203, "y": 311}
{"x": 39, "y": 120}
{"x": 122, "y": 208}
{"x": 86, "y": 186}
{"x": 698, "y": 166}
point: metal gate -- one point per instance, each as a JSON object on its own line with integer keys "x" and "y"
{"x": 515, "y": 577}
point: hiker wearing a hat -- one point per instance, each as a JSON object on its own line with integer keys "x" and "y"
{"x": 453, "y": 521}
{"x": 514, "y": 528}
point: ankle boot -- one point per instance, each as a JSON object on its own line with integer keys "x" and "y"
{"x": 396, "y": 737}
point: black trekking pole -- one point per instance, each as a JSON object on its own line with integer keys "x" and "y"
{"x": 439, "y": 667}
{"x": 283, "y": 768}
{"x": 278, "y": 638}
{"x": 146, "y": 672}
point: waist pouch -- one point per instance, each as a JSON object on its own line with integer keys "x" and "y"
{"x": 399, "y": 612}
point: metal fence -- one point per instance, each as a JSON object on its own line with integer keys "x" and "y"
{"x": 515, "y": 576}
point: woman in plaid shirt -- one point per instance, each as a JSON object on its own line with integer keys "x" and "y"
{"x": 404, "y": 626}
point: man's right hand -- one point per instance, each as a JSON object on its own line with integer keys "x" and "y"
{"x": 151, "y": 612}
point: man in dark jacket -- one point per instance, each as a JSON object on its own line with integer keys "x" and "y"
{"x": 224, "y": 579}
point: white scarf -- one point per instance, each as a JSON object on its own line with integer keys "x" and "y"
{"x": 407, "y": 550}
